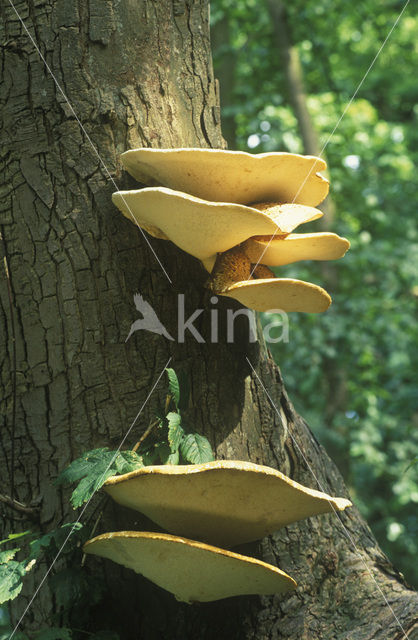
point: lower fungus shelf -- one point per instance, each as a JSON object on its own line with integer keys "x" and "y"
{"x": 192, "y": 571}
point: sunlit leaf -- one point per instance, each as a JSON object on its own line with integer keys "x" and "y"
{"x": 175, "y": 431}
{"x": 196, "y": 449}
{"x": 15, "y": 536}
{"x": 173, "y": 385}
{"x": 11, "y": 574}
{"x": 93, "y": 468}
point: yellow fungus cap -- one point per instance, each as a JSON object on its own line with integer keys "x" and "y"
{"x": 276, "y": 251}
{"x": 285, "y": 294}
{"x": 225, "y": 502}
{"x": 204, "y": 228}
{"x": 192, "y": 571}
{"x": 231, "y": 176}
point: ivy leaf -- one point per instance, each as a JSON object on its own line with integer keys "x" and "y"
{"x": 11, "y": 574}
{"x": 196, "y": 449}
{"x": 54, "y": 633}
{"x": 173, "y": 385}
{"x": 175, "y": 432}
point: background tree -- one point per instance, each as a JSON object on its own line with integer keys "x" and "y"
{"x": 140, "y": 74}
{"x": 362, "y": 354}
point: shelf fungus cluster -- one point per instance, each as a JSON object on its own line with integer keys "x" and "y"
{"x": 236, "y": 212}
{"x": 206, "y": 507}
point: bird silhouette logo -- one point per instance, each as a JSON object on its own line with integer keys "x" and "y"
{"x": 149, "y": 320}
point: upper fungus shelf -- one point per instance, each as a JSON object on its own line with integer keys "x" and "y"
{"x": 231, "y": 176}
{"x": 225, "y": 502}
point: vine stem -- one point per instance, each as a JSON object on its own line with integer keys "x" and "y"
{"x": 145, "y": 434}
{"x": 19, "y": 506}
{"x": 152, "y": 425}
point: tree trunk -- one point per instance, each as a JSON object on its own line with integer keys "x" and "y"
{"x": 140, "y": 74}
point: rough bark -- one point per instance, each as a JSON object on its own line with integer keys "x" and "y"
{"x": 140, "y": 74}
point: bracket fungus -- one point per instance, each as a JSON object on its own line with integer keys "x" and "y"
{"x": 204, "y": 228}
{"x": 285, "y": 294}
{"x": 231, "y": 176}
{"x": 225, "y": 502}
{"x": 210, "y": 202}
{"x": 296, "y": 246}
{"x": 235, "y": 212}
{"x": 192, "y": 571}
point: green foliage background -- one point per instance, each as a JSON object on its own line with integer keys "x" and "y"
{"x": 350, "y": 372}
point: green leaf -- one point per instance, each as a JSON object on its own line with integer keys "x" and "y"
{"x": 82, "y": 466}
{"x": 54, "y": 633}
{"x": 52, "y": 541}
{"x": 105, "y": 635}
{"x": 150, "y": 456}
{"x": 173, "y": 385}
{"x": 11, "y": 574}
{"x": 175, "y": 431}
{"x": 92, "y": 470}
{"x": 173, "y": 458}
{"x": 127, "y": 461}
{"x": 6, "y": 632}
{"x": 88, "y": 486}
{"x": 196, "y": 449}
{"x": 15, "y": 536}
{"x": 5, "y": 556}
{"x": 163, "y": 451}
